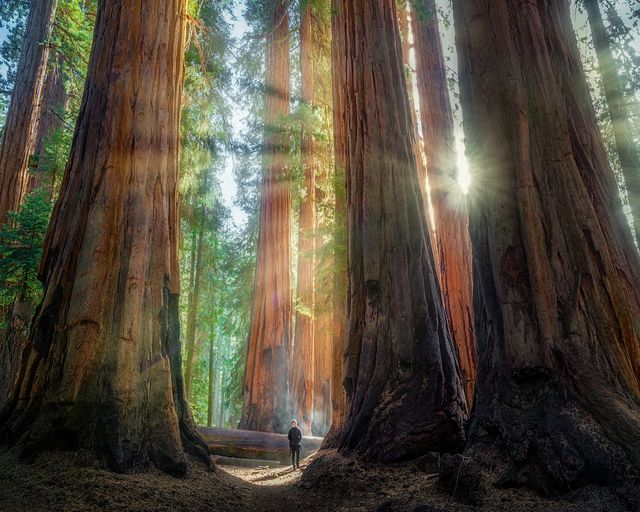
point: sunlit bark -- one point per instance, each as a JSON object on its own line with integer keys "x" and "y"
{"x": 302, "y": 356}
{"x": 265, "y": 389}
{"x": 451, "y": 237}
{"x": 103, "y": 370}
{"x": 404, "y": 394}
{"x": 556, "y": 290}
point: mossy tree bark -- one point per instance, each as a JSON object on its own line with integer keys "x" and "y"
{"x": 451, "y": 238}
{"x": 22, "y": 117}
{"x": 556, "y": 289}
{"x": 265, "y": 390}
{"x": 103, "y": 370}
{"x": 403, "y": 388}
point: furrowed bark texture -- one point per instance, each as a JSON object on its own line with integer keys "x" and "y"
{"x": 302, "y": 356}
{"x": 556, "y": 289}
{"x": 451, "y": 240}
{"x": 22, "y": 116}
{"x": 628, "y": 152}
{"x": 340, "y": 278}
{"x": 405, "y": 32}
{"x": 266, "y": 403}
{"x": 13, "y": 346}
{"x": 104, "y": 367}
{"x": 404, "y": 394}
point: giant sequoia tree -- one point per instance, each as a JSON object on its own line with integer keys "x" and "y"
{"x": 22, "y": 116}
{"x": 302, "y": 357}
{"x": 340, "y": 279}
{"x": 556, "y": 289}
{"x": 265, "y": 390}
{"x": 403, "y": 388}
{"x": 451, "y": 238}
{"x": 103, "y": 369}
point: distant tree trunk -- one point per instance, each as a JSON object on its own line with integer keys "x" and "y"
{"x": 192, "y": 317}
{"x": 302, "y": 356}
{"x": 453, "y": 247}
{"x": 405, "y": 32}
{"x": 214, "y": 368}
{"x": 22, "y": 116}
{"x": 53, "y": 101}
{"x": 265, "y": 388}
{"x": 212, "y": 376}
{"x": 103, "y": 370}
{"x": 556, "y": 289}
{"x": 627, "y": 150}
{"x": 404, "y": 393}
{"x": 340, "y": 279}
{"x": 323, "y": 275}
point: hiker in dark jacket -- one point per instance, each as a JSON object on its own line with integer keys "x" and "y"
{"x": 295, "y": 437}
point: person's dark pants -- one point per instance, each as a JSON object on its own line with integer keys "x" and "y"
{"x": 295, "y": 456}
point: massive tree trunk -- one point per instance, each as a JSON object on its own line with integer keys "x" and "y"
{"x": 627, "y": 150}
{"x": 453, "y": 247}
{"x": 103, "y": 370}
{"x": 340, "y": 279}
{"x": 22, "y": 116}
{"x": 404, "y": 393}
{"x": 265, "y": 388}
{"x": 192, "y": 315}
{"x": 302, "y": 356}
{"x": 556, "y": 289}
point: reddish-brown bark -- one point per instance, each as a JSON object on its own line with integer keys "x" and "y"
{"x": 103, "y": 370}
{"x": 22, "y": 116}
{"x": 556, "y": 289}
{"x": 340, "y": 279}
{"x": 404, "y": 393}
{"x": 302, "y": 355}
{"x": 265, "y": 389}
{"x": 451, "y": 238}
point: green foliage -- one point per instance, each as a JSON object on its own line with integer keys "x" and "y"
{"x": 21, "y": 242}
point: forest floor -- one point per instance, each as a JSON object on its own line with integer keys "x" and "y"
{"x": 329, "y": 482}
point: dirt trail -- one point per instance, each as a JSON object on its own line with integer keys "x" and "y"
{"x": 74, "y": 482}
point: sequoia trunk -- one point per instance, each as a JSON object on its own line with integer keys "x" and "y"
{"x": 340, "y": 279}
{"x": 302, "y": 357}
{"x": 265, "y": 388}
{"x": 404, "y": 393}
{"x": 556, "y": 291}
{"x": 103, "y": 369}
{"x": 22, "y": 116}
{"x": 627, "y": 150}
{"x": 453, "y": 247}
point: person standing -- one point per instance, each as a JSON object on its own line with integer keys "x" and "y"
{"x": 295, "y": 438}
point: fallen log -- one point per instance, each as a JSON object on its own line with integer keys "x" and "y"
{"x": 248, "y": 444}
